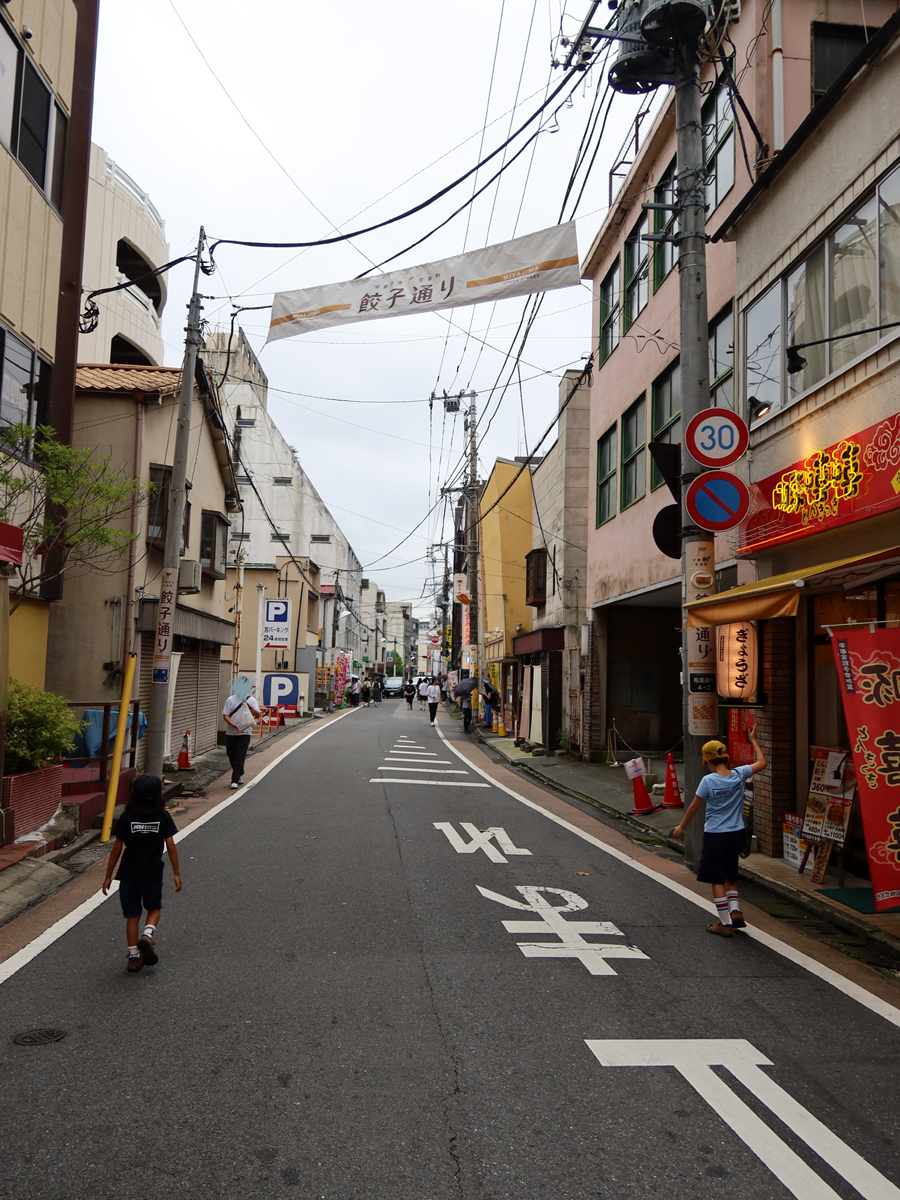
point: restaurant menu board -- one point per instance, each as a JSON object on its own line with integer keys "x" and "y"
{"x": 830, "y": 798}
{"x": 795, "y": 848}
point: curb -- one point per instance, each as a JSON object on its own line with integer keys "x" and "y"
{"x": 76, "y": 844}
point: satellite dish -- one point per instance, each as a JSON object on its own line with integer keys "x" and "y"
{"x": 242, "y": 687}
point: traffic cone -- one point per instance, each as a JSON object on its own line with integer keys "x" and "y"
{"x": 672, "y": 798}
{"x": 642, "y": 805}
{"x": 495, "y": 722}
{"x": 184, "y": 754}
{"x": 501, "y": 725}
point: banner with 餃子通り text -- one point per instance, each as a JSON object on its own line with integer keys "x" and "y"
{"x": 868, "y": 666}
{"x": 537, "y": 262}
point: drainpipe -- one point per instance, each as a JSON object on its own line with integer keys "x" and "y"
{"x": 777, "y": 79}
{"x": 138, "y": 398}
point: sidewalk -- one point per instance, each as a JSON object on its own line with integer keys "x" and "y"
{"x": 609, "y": 789}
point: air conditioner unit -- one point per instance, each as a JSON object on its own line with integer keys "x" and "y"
{"x": 189, "y": 576}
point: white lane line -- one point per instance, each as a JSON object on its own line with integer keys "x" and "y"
{"x": 874, "y": 1003}
{"x": 429, "y": 770}
{"x": 434, "y": 762}
{"x": 22, "y": 957}
{"x": 431, "y": 782}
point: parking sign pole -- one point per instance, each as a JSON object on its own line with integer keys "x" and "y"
{"x": 260, "y": 612}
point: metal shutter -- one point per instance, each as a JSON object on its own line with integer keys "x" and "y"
{"x": 207, "y": 699}
{"x": 184, "y": 708}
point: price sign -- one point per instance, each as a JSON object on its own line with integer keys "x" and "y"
{"x": 716, "y": 437}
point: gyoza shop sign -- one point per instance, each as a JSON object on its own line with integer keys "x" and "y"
{"x": 858, "y": 476}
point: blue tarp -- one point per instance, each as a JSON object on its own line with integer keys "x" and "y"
{"x": 88, "y": 743}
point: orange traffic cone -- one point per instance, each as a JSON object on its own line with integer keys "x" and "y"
{"x": 642, "y": 805}
{"x": 672, "y": 798}
{"x": 184, "y": 754}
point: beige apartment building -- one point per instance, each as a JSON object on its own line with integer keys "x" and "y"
{"x": 47, "y": 52}
{"x": 129, "y": 413}
{"x": 633, "y": 587}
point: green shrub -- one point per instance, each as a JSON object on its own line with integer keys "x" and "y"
{"x": 564, "y": 742}
{"x": 40, "y": 728}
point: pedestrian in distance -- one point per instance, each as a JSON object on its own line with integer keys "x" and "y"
{"x": 723, "y": 829}
{"x": 433, "y": 695}
{"x": 465, "y": 704}
{"x": 354, "y": 691}
{"x": 423, "y": 693}
{"x": 240, "y": 716}
{"x": 409, "y": 693}
{"x": 376, "y": 689}
{"x": 366, "y": 692}
{"x": 143, "y": 831}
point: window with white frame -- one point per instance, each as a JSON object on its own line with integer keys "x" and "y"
{"x": 846, "y": 286}
{"x": 610, "y": 303}
{"x": 717, "y": 118}
{"x": 634, "y": 436}
{"x": 637, "y": 271}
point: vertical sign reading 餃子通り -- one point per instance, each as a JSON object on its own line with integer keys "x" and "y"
{"x": 868, "y": 666}
{"x": 703, "y": 703}
{"x": 165, "y": 625}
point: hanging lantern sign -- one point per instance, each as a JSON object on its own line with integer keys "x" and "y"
{"x": 737, "y": 661}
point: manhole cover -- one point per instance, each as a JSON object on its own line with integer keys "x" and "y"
{"x": 39, "y": 1037}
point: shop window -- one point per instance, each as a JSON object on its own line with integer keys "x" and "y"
{"x": 665, "y": 414}
{"x": 610, "y": 303}
{"x": 213, "y": 537}
{"x": 834, "y": 47}
{"x": 721, "y": 360}
{"x": 717, "y": 119}
{"x": 536, "y": 578}
{"x": 665, "y": 254}
{"x": 637, "y": 271}
{"x": 606, "y": 476}
{"x": 634, "y": 436}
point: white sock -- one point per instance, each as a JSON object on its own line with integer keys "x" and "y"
{"x": 149, "y": 931}
{"x": 734, "y": 904}
{"x": 722, "y": 910}
{"x": 133, "y": 952}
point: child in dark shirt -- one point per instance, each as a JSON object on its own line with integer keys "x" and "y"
{"x": 144, "y": 829}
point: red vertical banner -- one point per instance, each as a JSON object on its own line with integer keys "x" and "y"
{"x": 868, "y": 665}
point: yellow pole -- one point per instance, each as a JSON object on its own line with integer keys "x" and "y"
{"x": 118, "y": 747}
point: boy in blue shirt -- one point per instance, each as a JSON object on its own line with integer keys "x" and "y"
{"x": 723, "y": 829}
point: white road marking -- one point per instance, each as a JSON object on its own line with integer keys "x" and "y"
{"x": 481, "y": 840}
{"x": 571, "y": 934}
{"x": 22, "y": 957}
{"x": 430, "y": 770}
{"x": 874, "y": 1003}
{"x": 694, "y": 1060}
{"x": 439, "y": 762}
{"x": 433, "y": 782}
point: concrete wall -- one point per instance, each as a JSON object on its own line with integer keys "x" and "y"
{"x": 119, "y": 209}
{"x": 28, "y": 641}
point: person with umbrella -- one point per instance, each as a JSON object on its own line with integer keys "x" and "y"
{"x": 491, "y": 702}
{"x": 463, "y": 691}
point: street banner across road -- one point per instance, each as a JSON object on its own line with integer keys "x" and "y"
{"x": 868, "y": 667}
{"x": 717, "y": 500}
{"x": 537, "y": 262}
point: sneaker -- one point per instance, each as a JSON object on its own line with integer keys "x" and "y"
{"x": 241, "y": 780}
{"x": 737, "y": 919}
{"x": 235, "y": 786}
{"x": 134, "y": 963}
{"x": 149, "y": 957}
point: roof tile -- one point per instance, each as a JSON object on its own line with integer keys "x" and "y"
{"x": 111, "y": 377}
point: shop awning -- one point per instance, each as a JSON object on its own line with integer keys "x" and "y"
{"x": 779, "y": 595}
{"x": 540, "y": 639}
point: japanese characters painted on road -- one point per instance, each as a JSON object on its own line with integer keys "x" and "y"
{"x": 736, "y": 660}
{"x": 836, "y": 485}
{"x": 717, "y": 500}
{"x": 703, "y": 704}
{"x": 277, "y": 625}
{"x": 282, "y": 691}
{"x": 480, "y": 840}
{"x": 716, "y": 437}
{"x": 537, "y": 262}
{"x": 571, "y": 935}
{"x": 165, "y": 625}
{"x": 694, "y": 1060}
{"x": 868, "y": 667}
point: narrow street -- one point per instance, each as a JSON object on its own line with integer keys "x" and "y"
{"x": 363, "y": 992}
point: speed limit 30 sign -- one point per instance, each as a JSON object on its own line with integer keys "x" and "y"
{"x": 716, "y": 437}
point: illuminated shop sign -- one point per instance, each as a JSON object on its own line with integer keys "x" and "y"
{"x": 856, "y": 477}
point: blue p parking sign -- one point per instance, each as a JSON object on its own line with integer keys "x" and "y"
{"x": 282, "y": 691}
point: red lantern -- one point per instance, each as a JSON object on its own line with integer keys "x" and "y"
{"x": 737, "y": 661}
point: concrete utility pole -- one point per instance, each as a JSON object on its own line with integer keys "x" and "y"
{"x": 261, "y": 590}
{"x": 472, "y": 548}
{"x": 697, "y": 546}
{"x": 238, "y": 607}
{"x": 168, "y": 592}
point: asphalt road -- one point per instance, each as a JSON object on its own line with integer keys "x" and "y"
{"x": 339, "y": 1011}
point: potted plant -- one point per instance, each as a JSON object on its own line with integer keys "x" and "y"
{"x": 40, "y": 728}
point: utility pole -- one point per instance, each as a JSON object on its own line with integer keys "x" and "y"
{"x": 260, "y": 603}
{"x": 238, "y": 603}
{"x": 472, "y": 548}
{"x": 697, "y": 546}
{"x": 168, "y": 592}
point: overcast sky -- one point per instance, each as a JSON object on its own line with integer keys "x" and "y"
{"x": 368, "y": 109}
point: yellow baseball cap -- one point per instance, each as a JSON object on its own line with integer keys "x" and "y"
{"x": 714, "y": 749}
